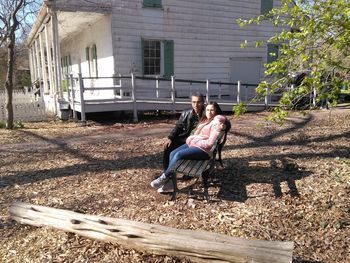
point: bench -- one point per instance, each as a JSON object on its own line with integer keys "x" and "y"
{"x": 201, "y": 168}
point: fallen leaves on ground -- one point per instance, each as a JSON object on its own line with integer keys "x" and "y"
{"x": 286, "y": 183}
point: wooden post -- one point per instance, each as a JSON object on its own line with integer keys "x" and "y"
{"x": 314, "y": 95}
{"x": 32, "y": 63}
{"x": 157, "y": 87}
{"x": 173, "y": 92}
{"x": 73, "y": 97}
{"x": 207, "y": 96}
{"x": 238, "y": 92}
{"x": 133, "y": 96}
{"x": 38, "y": 64}
{"x": 69, "y": 84}
{"x": 199, "y": 246}
{"x": 82, "y": 102}
{"x": 49, "y": 60}
{"x": 267, "y": 98}
{"x": 43, "y": 64}
{"x": 121, "y": 91}
{"x": 56, "y": 54}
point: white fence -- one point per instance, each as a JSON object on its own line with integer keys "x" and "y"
{"x": 27, "y": 106}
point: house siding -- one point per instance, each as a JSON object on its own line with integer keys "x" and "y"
{"x": 205, "y": 35}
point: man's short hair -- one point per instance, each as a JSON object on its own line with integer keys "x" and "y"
{"x": 198, "y": 94}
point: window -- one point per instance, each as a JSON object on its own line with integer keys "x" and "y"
{"x": 151, "y": 57}
{"x": 152, "y": 3}
{"x": 158, "y": 57}
{"x": 272, "y": 52}
{"x": 91, "y": 58}
{"x": 266, "y": 6}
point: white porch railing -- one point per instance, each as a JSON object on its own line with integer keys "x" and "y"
{"x": 138, "y": 93}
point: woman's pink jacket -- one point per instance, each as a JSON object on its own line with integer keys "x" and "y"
{"x": 206, "y": 134}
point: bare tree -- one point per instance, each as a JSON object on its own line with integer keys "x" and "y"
{"x": 14, "y": 18}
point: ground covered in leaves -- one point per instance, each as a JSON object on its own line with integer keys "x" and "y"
{"x": 286, "y": 183}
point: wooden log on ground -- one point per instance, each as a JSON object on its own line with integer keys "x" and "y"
{"x": 199, "y": 246}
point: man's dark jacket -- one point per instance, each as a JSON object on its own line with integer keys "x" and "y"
{"x": 184, "y": 126}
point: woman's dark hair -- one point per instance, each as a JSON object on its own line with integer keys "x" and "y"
{"x": 217, "y": 108}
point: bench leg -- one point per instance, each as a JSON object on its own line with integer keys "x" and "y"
{"x": 174, "y": 179}
{"x": 205, "y": 177}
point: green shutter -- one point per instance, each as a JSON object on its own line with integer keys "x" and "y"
{"x": 152, "y": 3}
{"x": 266, "y": 6}
{"x": 142, "y": 57}
{"x": 272, "y": 52}
{"x": 168, "y": 58}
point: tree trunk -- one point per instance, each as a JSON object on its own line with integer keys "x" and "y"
{"x": 199, "y": 246}
{"x": 11, "y": 42}
{"x": 9, "y": 79}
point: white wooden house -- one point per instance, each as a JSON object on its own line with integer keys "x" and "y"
{"x": 181, "y": 40}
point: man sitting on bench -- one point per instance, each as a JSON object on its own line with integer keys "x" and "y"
{"x": 184, "y": 126}
{"x": 197, "y": 146}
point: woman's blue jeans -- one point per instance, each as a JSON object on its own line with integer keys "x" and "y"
{"x": 185, "y": 152}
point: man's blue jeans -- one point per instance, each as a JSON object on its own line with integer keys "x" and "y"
{"x": 185, "y": 152}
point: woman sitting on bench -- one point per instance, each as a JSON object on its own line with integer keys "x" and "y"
{"x": 197, "y": 146}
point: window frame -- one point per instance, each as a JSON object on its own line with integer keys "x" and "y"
{"x": 166, "y": 57}
{"x": 161, "y": 57}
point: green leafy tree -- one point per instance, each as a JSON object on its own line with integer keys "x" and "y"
{"x": 313, "y": 37}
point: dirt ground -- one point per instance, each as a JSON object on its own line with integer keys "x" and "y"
{"x": 285, "y": 183}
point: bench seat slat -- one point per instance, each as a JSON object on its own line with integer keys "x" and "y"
{"x": 178, "y": 165}
{"x": 200, "y": 167}
{"x": 183, "y": 166}
{"x": 189, "y": 168}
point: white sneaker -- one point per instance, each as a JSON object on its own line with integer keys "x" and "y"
{"x": 160, "y": 181}
{"x": 167, "y": 188}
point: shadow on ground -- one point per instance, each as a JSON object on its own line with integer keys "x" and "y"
{"x": 232, "y": 181}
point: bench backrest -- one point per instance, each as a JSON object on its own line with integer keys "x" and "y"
{"x": 223, "y": 139}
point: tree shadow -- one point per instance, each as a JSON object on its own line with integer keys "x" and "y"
{"x": 238, "y": 173}
{"x": 268, "y": 140}
{"x": 275, "y": 169}
{"x": 234, "y": 179}
{"x": 91, "y": 164}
